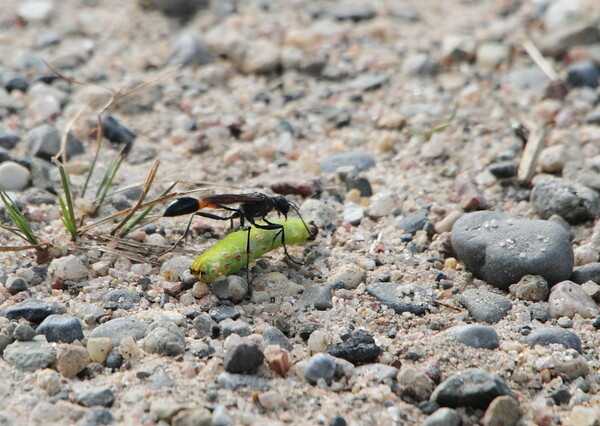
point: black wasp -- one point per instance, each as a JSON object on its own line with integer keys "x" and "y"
{"x": 251, "y": 206}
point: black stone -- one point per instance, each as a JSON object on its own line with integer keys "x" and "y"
{"x": 114, "y": 359}
{"x": 503, "y": 169}
{"x": 358, "y": 348}
{"x": 337, "y": 421}
{"x": 222, "y": 312}
{"x": 361, "y": 184}
{"x": 561, "y": 396}
{"x": 61, "y": 328}
{"x": 588, "y": 272}
{"x": 98, "y": 397}
{"x": 244, "y": 357}
{"x": 583, "y": 73}
{"x": 32, "y": 310}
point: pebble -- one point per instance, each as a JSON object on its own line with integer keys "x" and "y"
{"x": 580, "y": 174}
{"x": 15, "y": 285}
{"x": 503, "y": 169}
{"x": 61, "y": 328}
{"x": 413, "y": 222}
{"x": 503, "y": 411}
{"x": 33, "y": 310}
{"x": 71, "y": 360}
{"x": 13, "y": 176}
{"x": 589, "y": 272}
{"x": 561, "y": 396}
{"x": 221, "y": 417}
{"x": 491, "y": 54}
{"x": 239, "y": 327}
{"x": 353, "y": 213}
{"x": 568, "y": 299}
{"x": 98, "y": 348}
{"x": 273, "y": 286}
{"x": 317, "y": 296}
{"x": 500, "y": 249}
{"x": 360, "y": 161}
{"x": 24, "y": 333}
{"x": 68, "y": 268}
{"x": 376, "y": 373}
{"x": 484, "y": 305}
{"x": 476, "y": 336}
{"x": 352, "y": 11}
{"x": 414, "y": 384}
{"x": 592, "y": 289}
{"x": 367, "y": 82}
{"x": 318, "y": 341}
{"x": 98, "y": 416}
{"x": 31, "y": 355}
{"x": 419, "y": 64}
{"x": 360, "y": 184}
{"x": 244, "y": 357}
{"x": 44, "y": 142}
{"x": 234, "y": 381}
{"x": 176, "y": 267}
{"x": 469, "y": 193}
{"x": 121, "y": 299}
{"x": 358, "y": 348}
{"x": 8, "y": 138}
{"x": 189, "y": 50}
{"x": 36, "y": 10}
{"x": 261, "y": 57}
{"x": 206, "y": 326}
{"x": 472, "y": 387}
{"x": 392, "y": 295}
{"x": 164, "y": 338}
{"x": 583, "y": 73}
{"x": 4, "y": 342}
{"x": 119, "y": 328}
{"x": 230, "y": 287}
{"x": 531, "y": 287}
{"x": 458, "y": 48}
{"x": 346, "y": 276}
{"x": 550, "y": 335}
{"x": 278, "y": 359}
{"x": 274, "y": 336}
{"x": 49, "y": 380}
{"x": 584, "y": 416}
{"x": 573, "y": 202}
{"x": 320, "y": 366}
{"x": 382, "y": 204}
{"x": 103, "y": 397}
{"x": 116, "y": 132}
{"x": 223, "y": 312}
{"x": 444, "y": 417}
{"x": 114, "y": 359}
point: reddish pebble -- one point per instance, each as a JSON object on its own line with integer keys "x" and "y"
{"x": 278, "y": 359}
{"x": 172, "y": 288}
{"x": 469, "y": 194}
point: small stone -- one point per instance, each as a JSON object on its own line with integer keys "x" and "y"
{"x": 119, "y": 328}
{"x": 200, "y": 289}
{"x": 33, "y": 310}
{"x": 358, "y": 348}
{"x": 4, "y": 342}
{"x": 364, "y": 83}
{"x": 8, "y": 138}
{"x": 491, "y": 54}
{"x": 419, "y": 64}
{"x": 337, "y": 421}
{"x": 13, "y": 176}
{"x": 15, "y": 285}
{"x": 71, "y": 360}
{"x": 273, "y": 286}
{"x": 206, "y": 326}
{"x": 414, "y": 384}
{"x": 103, "y": 397}
{"x": 573, "y": 202}
{"x": 36, "y": 10}
{"x": 503, "y": 411}
{"x": 271, "y": 400}
{"x": 44, "y": 142}
{"x": 592, "y": 289}
{"x": 221, "y": 417}
{"x": 361, "y": 184}
{"x": 68, "y": 268}
{"x": 443, "y": 417}
{"x": 500, "y": 248}
{"x": 589, "y": 272}
{"x": 49, "y": 380}
{"x": 278, "y": 359}
{"x": 234, "y": 381}
{"x": 584, "y": 416}
{"x": 121, "y": 299}
{"x": 229, "y": 327}
{"x": 320, "y": 366}
{"x": 583, "y": 73}
{"x": 244, "y": 357}
{"x": 192, "y": 417}
{"x": 394, "y": 296}
{"x": 164, "y": 338}
{"x": 472, "y": 387}
{"x": 551, "y": 335}
{"x": 317, "y": 296}
{"x": 352, "y": 11}
{"x": 413, "y": 222}
{"x": 531, "y": 287}
{"x": 61, "y": 328}
{"x": 23, "y": 333}
{"x": 30, "y": 356}
{"x": 114, "y": 359}
{"x": 346, "y": 276}
{"x": 189, "y": 50}
{"x": 98, "y": 348}
{"x": 176, "y": 267}
{"x": 261, "y": 57}
{"x": 458, "y": 48}
{"x": 98, "y": 416}
{"x": 485, "y": 306}
{"x": 353, "y": 213}
{"x": 231, "y": 287}
{"x": 223, "y": 312}
{"x": 503, "y": 169}
{"x": 318, "y": 341}
{"x": 561, "y": 396}
{"x": 469, "y": 193}
{"x": 565, "y": 322}
{"x": 476, "y": 336}
{"x": 274, "y": 336}
{"x": 567, "y": 299}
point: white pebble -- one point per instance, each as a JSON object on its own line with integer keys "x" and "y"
{"x": 13, "y": 176}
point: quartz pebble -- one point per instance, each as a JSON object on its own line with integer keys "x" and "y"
{"x": 567, "y": 299}
{"x": 13, "y": 176}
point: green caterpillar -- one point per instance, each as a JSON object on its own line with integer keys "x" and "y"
{"x": 229, "y": 255}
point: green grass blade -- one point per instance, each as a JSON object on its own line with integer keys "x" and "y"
{"x": 66, "y": 205}
{"x": 24, "y": 229}
{"x": 108, "y": 178}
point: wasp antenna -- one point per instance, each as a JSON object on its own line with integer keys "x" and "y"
{"x": 295, "y": 207}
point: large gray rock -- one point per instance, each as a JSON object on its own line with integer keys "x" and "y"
{"x": 501, "y": 249}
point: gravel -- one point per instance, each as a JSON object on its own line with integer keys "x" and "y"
{"x": 485, "y": 306}
{"x": 61, "y": 328}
